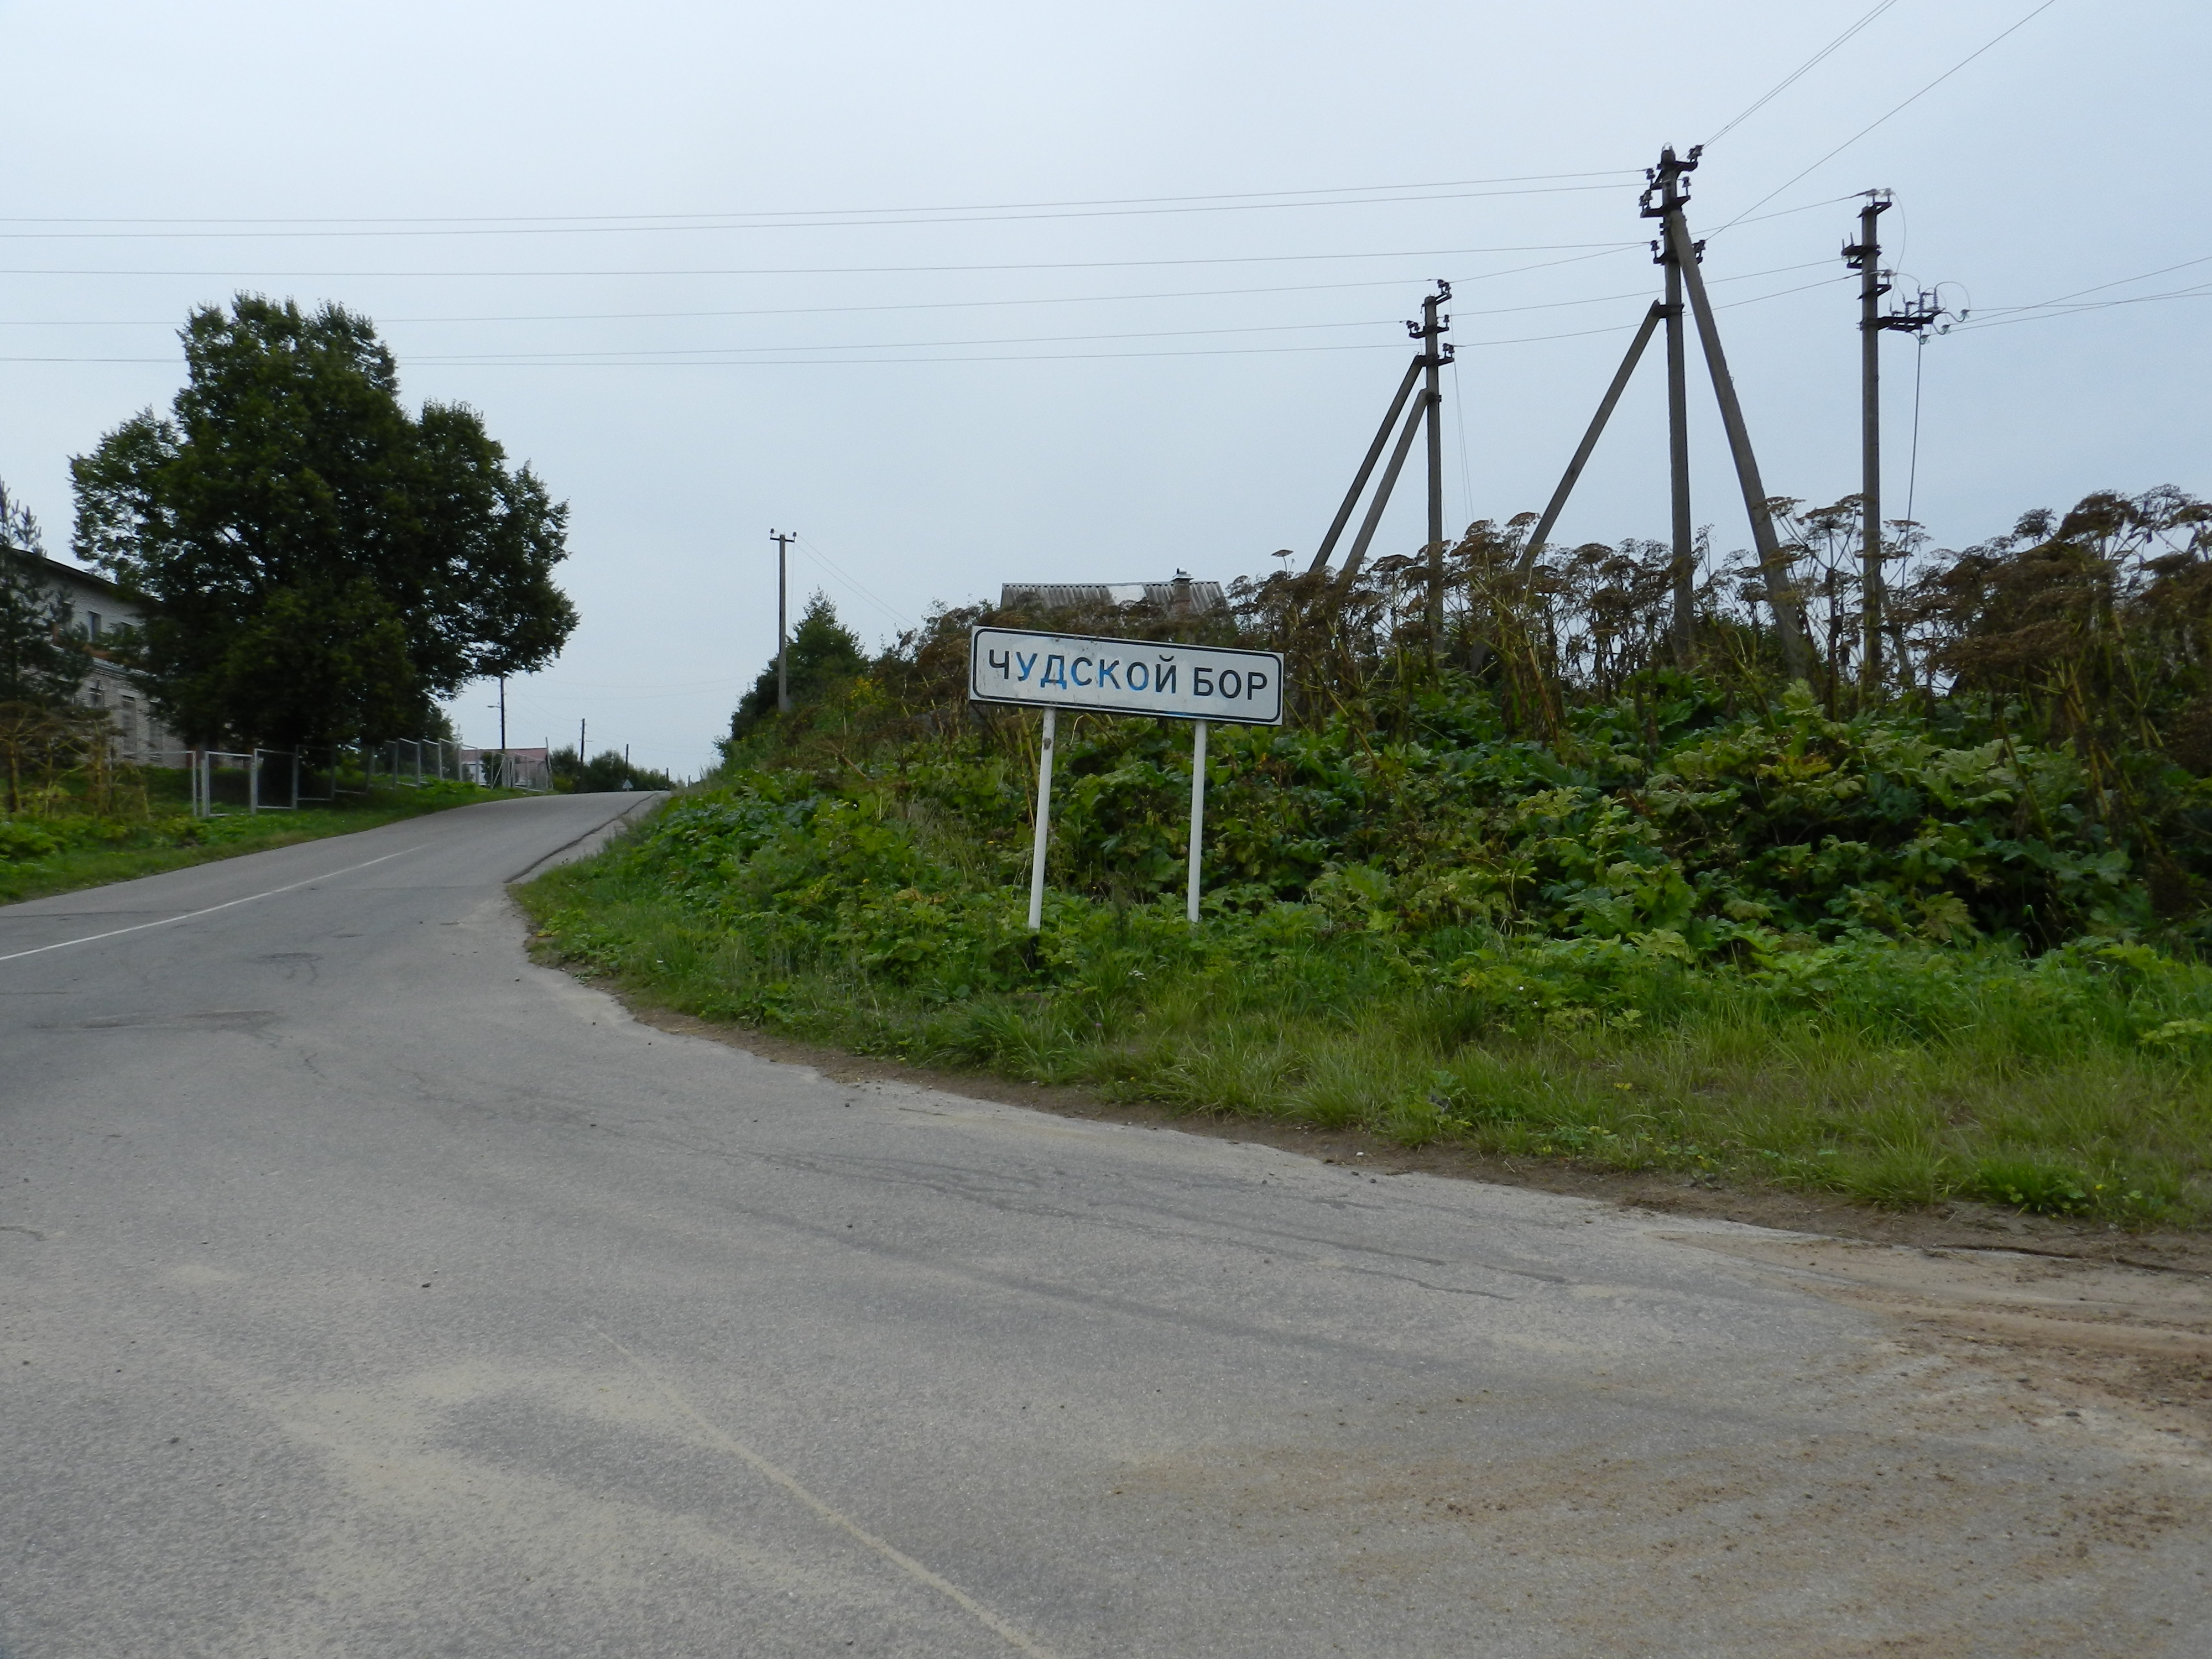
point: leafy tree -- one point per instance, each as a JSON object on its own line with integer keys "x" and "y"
{"x": 608, "y": 769}
{"x": 317, "y": 564}
{"x": 824, "y": 654}
{"x": 43, "y": 659}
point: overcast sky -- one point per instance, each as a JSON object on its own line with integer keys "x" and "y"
{"x": 964, "y": 292}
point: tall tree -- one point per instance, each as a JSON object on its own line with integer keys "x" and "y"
{"x": 43, "y": 659}
{"x": 317, "y": 564}
{"x": 823, "y": 653}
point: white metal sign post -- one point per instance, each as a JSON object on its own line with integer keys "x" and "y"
{"x": 1053, "y": 671}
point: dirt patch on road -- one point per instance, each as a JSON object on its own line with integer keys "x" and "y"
{"x": 2057, "y": 1338}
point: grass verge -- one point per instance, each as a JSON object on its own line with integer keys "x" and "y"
{"x": 126, "y": 852}
{"x": 2075, "y": 1084}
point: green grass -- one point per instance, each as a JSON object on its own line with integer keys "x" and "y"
{"x": 124, "y": 851}
{"x": 2078, "y": 1084}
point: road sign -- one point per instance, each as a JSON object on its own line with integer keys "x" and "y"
{"x": 1080, "y": 671}
{"x": 1125, "y": 677}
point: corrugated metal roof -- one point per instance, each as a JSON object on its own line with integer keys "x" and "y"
{"x": 1182, "y": 595}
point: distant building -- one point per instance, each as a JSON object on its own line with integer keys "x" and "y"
{"x": 1179, "y": 597}
{"x": 98, "y": 607}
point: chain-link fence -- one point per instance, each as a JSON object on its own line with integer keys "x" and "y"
{"x": 282, "y": 779}
{"x": 509, "y": 768}
{"x": 413, "y": 762}
{"x": 223, "y": 782}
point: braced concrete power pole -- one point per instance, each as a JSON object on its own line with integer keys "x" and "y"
{"x": 1797, "y": 659}
{"x": 1864, "y": 256}
{"x": 782, "y": 540}
{"x": 1666, "y": 195}
{"x": 1430, "y": 330}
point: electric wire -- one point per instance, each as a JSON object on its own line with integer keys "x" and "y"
{"x": 2041, "y": 315}
{"x": 697, "y": 358}
{"x": 1912, "y": 473}
{"x": 1459, "y": 422}
{"x": 834, "y": 311}
{"x": 794, "y": 224}
{"x": 1899, "y": 109}
{"x": 2118, "y": 282}
{"x": 1230, "y": 197}
{"x": 1491, "y": 311}
{"x": 1599, "y": 250}
{"x": 1797, "y": 74}
{"x": 825, "y": 560}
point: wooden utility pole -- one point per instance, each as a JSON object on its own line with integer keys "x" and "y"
{"x": 782, "y": 540}
{"x": 1864, "y": 256}
{"x": 1666, "y": 179}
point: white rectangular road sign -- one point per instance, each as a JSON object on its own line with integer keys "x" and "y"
{"x": 1125, "y": 677}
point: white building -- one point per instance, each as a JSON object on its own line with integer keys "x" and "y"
{"x": 98, "y": 608}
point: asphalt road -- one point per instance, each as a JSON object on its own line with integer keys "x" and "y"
{"x": 366, "y": 1290}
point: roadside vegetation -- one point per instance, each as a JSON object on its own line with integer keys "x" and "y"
{"x": 1555, "y": 881}
{"x": 87, "y": 826}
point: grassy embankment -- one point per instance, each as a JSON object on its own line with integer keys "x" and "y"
{"x": 40, "y": 856}
{"x": 1482, "y": 944}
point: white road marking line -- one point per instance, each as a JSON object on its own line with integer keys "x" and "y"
{"x": 904, "y": 1562}
{"x": 117, "y": 932}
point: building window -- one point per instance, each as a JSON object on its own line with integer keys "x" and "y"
{"x": 91, "y": 623}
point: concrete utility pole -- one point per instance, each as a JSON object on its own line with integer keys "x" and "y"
{"x": 1864, "y": 256}
{"x": 1366, "y": 470}
{"x": 1666, "y": 179}
{"x": 1430, "y": 330}
{"x": 502, "y": 713}
{"x": 1797, "y": 660}
{"x": 782, "y": 540}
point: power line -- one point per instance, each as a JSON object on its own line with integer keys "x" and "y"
{"x": 960, "y": 305}
{"x": 2118, "y": 282}
{"x": 2041, "y": 315}
{"x": 1797, "y": 74}
{"x": 1067, "y": 339}
{"x": 1599, "y": 248}
{"x": 824, "y": 559}
{"x": 1231, "y": 197}
{"x": 1908, "y": 103}
{"x": 765, "y": 225}
{"x": 579, "y": 360}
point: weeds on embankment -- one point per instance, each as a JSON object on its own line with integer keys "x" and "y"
{"x": 2075, "y": 1083}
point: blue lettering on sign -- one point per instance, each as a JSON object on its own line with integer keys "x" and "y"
{"x": 1106, "y": 672}
{"x": 1164, "y": 679}
{"x": 1025, "y": 664}
{"x": 1201, "y": 682}
{"x": 1255, "y": 683}
{"x": 1081, "y": 662}
{"x": 1055, "y": 672}
{"x": 1232, "y": 683}
{"x": 1002, "y": 664}
{"x": 1140, "y": 678}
